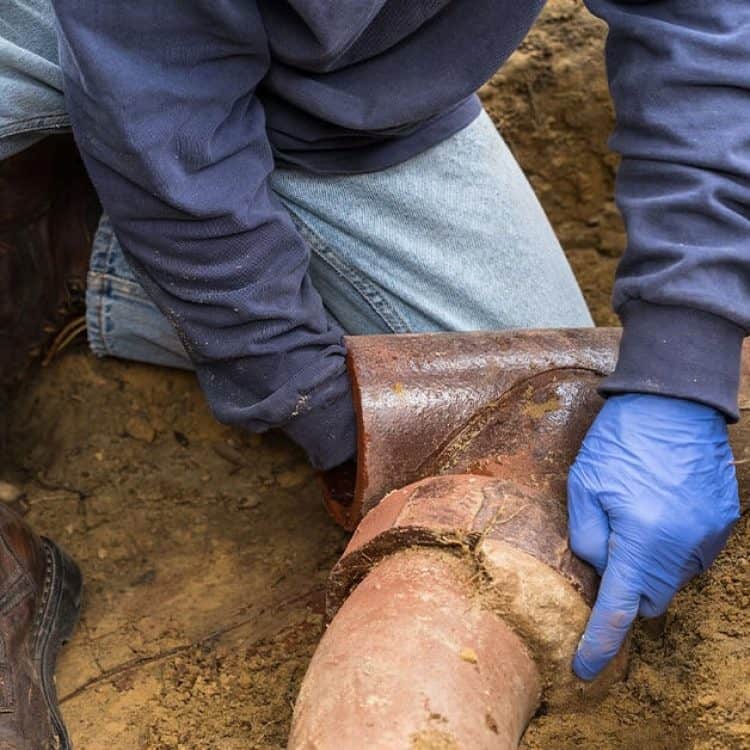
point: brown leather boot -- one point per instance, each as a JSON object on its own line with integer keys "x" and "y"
{"x": 48, "y": 214}
{"x": 40, "y": 597}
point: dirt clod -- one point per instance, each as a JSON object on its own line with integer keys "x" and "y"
{"x": 140, "y": 429}
{"x": 432, "y": 739}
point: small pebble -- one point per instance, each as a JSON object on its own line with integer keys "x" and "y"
{"x": 9, "y": 493}
{"x": 293, "y": 477}
{"x": 248, "y": 503}
{"x": 140, "y": 429}
{"x": 468, "y": 654}
{"x": 229, "y": 453}
{"x": 709, "y": 700}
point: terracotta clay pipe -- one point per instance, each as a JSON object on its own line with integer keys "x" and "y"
{"x": 457, "y": 606}
{"x": 433, "y": 667}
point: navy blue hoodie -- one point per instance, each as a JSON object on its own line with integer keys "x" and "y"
{"x": 183, "y": 108}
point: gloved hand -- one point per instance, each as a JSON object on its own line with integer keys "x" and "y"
{"x": 652, "y": 498}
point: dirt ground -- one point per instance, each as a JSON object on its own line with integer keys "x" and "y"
{"x": 206, "y": 552}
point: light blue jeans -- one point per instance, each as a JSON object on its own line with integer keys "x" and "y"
{"x": 453, "y": 239}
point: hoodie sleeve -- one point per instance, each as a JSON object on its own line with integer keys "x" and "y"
{"x": 679, "y": 73}
{"x": 162, "y": 100}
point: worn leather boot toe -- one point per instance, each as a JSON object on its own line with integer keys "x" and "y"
{"x": 40, "y": 597}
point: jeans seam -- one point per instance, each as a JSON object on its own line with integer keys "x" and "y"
{"x": 110, "y": 248}
{"x": 99, "y": 270}
{"x": 102, "y": 328}
{"x": 365, "y": 288}
{"x": 95, "y": 316}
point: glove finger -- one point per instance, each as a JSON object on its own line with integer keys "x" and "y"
{"x": 588, "y": 525}
{"x": 613, "y": 613}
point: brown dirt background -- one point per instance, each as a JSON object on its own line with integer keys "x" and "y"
{"x": 205, "y": 551}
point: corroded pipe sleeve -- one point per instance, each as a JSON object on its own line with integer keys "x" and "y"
{"x": 470, "y": 557}
{"x": 414, "y": 660}
{"x": 421, "y": 400}
{"x": 471, "y": 402}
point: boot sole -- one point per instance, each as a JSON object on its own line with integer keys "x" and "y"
{"x": 58, "y": 618}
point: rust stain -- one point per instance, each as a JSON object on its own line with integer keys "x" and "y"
{"x": 537, "y": 411}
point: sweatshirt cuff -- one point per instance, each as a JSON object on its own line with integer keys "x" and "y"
{"x": 679, "y": 352}
{"x": 327, "y": 432}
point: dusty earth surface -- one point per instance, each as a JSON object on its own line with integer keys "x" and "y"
{"x": 205, "y": 552}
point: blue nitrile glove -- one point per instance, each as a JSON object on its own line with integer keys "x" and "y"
{"x": 652, "y": 498}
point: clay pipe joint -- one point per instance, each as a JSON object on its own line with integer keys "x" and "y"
{"x": 450, "y": 621}
{"x": 442, "y": 568}
{"x": 482, "y": 428}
